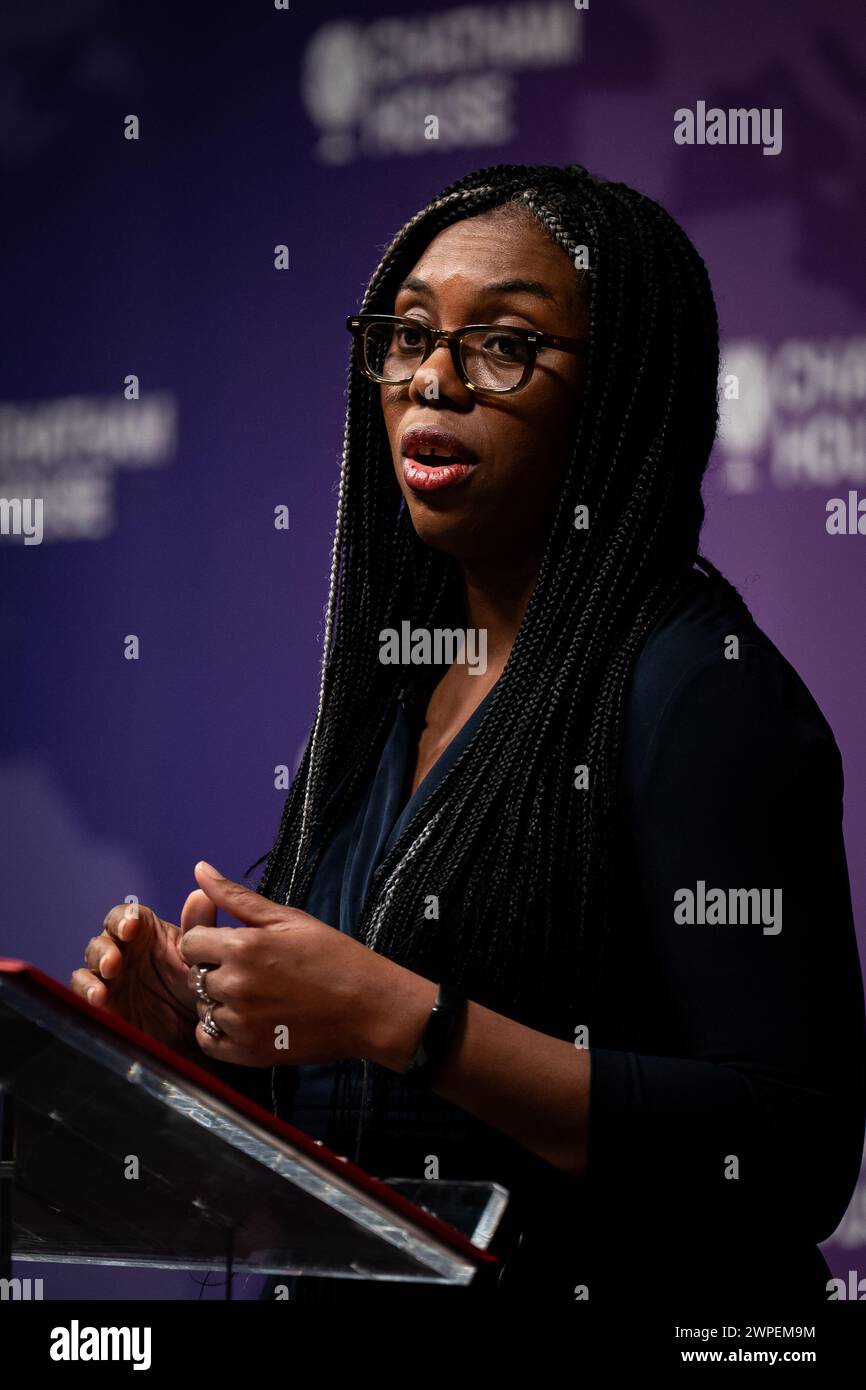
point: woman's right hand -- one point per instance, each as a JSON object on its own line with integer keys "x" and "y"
{"x": 135, "y": 970}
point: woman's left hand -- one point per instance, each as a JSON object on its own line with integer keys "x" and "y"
{"x": 291, "y": 989}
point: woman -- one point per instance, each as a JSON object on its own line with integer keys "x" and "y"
{"x": 613, "y": 836}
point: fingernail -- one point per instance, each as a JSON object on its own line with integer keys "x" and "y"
{"x": 208, "y": 868}
{"x": 90, "y": 993}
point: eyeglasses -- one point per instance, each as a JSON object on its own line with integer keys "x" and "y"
{"x": 488, "y": 357}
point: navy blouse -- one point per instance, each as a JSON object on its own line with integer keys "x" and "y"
{"x": 728, "y": 1077}
{"x": 340, "y": 887}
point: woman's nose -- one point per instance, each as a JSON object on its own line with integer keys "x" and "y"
{"x": 437, "y": 376}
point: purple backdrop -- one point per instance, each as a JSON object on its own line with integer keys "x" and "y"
{"x": 154, "y": 257}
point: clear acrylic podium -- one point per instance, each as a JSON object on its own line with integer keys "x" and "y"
{"x": 116, "y": 1151}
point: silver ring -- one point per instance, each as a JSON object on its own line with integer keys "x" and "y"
{"x": 208, "y": 1024}
{"x": 201, "y": 981}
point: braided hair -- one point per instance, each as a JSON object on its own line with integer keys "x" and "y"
{"x": 505, "y": 833}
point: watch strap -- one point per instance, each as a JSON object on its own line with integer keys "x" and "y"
{"x": 437, "y": 1036}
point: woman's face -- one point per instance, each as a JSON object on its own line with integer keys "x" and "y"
{"x": 500, "y": 510}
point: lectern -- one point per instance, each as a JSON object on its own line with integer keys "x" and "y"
{"x": 117, "y": 1151}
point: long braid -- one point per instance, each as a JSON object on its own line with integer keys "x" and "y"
{"x": 505, "y": 833}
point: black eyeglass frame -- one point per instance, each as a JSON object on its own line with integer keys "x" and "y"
{"x": 357, "y": 325}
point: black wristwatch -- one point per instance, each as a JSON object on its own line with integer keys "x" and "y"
{"x": 437, "y": 1036}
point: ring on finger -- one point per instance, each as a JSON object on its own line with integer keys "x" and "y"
{"x": 201, "y": 982}
{"x": 208, "y": 1024}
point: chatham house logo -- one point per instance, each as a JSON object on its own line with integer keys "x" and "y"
{"x": 398, "y": 84}
{"x": 793, "y": 414}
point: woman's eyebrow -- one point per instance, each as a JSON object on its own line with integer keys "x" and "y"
{"x": 496, "y": 287}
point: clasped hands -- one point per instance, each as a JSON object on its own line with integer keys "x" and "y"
{"x": 287, "y": 978}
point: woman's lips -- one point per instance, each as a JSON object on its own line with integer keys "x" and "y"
{"x": 425, "y": 477}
